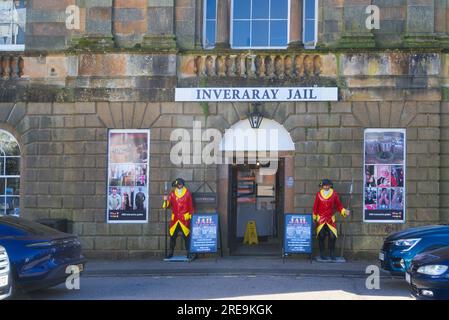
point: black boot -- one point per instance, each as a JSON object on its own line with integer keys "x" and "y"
{"x": 332, "y": 254}
{"x": 172, "y": 246}
{"x": 332, "y": 240}
{"x": 321, "y": 245}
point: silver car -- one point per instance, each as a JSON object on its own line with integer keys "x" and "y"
{"x": 5, "y": 283}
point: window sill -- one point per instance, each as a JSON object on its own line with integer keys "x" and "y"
{"x": 12, "y": 47}
{"x": 259, "y": 48}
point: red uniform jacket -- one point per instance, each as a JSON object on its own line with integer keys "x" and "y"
{"x": 182, "y": 210}
{"x": 324, "y": 208}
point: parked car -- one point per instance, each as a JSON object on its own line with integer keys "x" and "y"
{"x": 38, "y": 255}
{"x": 5, "y": 283}
{"x": 428, "y": 274}
{"x": 401, "y": 247}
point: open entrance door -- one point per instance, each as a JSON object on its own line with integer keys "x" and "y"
{"x": 256, "y": 195}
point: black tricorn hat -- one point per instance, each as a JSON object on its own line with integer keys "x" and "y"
{"x": 178, "y": 181}
{"x": 326, "y": 182}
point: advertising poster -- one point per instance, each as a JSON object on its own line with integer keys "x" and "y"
{"x": 128, "y": 172}
{"x": 298, "y": 233}
{"x": 384, "y": 175}
{"x": 204, "y": 236}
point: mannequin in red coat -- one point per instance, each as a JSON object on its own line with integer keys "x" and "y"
{"x": 181, "y": 203}
{"x": 326, "y": 203}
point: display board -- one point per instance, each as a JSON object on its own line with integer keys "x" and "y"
{"x": 128, "y": 176}
{"x": 384, "y": 175}
{"x": 204, "y": 233}
{"x": 298, "y": 233}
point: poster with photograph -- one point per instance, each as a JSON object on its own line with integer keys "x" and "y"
{"x": 384, "y": 175}
{"x": 128, "y": 169}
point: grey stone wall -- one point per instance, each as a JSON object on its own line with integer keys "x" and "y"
{"x": 444, "y": 173}
{"x": 329, "y": 144}
{"x": 64, "y": 161}
{"x": 403, "y": 23}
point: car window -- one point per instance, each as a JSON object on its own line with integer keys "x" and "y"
{"x": 8, "y": 231}
{"x": 30, "y": 227}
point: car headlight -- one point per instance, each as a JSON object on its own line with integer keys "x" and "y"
{"x": 4, "y": 261}
{"x": 408, "y": 244}
{"x": 433, "y": 270}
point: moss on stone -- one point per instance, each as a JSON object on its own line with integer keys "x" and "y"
{"x": 445, "y": 94}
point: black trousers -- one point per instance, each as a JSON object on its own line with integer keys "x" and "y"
{"x": 175, "y": 235}
{"x": 325, "y": 232}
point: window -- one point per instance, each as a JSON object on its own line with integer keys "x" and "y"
{"x": 9, "y": 174}
{"x": 260, "y": 24}
{"x": 310, "y": 23}
{"x": 210, "y": 23}
{"x": 12, "y": 25}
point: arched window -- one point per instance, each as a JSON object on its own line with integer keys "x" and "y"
{"x": 9, "y": 174}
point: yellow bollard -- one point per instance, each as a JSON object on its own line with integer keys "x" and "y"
{"x": 251, "y": 233}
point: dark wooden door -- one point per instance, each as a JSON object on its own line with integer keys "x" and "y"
{"x": 232, "y": 205}
{"x": 280, "y": 179}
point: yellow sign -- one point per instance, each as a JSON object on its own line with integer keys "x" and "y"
{"x": 251, "y": 233}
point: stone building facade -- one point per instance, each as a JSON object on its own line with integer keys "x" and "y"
{"x": 120, "y": 68}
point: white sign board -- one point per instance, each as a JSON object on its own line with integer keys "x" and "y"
{"x": 256, "y": 94}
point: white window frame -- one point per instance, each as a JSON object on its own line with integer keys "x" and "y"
{"x": 12, "y": 47}
{"x": 250, "y": 28}
{"x": 304, "y": 25}
{"x": 3, "y": 174}
{"x": 205, "y": 24}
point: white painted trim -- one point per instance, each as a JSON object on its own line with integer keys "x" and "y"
{"x": 240, "y": 137}
{"x": 12, "y": 47}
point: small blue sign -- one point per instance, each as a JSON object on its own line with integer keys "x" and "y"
{"x": 298, "y": 233}
{"x": 204, "y": 233}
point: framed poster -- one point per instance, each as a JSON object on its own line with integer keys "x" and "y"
{"x": 384, "y": 175}
{"x": 204, "y": 233}
{"x": 298, "y": 233}
{"x": 128, "y": 176}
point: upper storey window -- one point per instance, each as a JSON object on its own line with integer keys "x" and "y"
{"x": 259, "y": 24}
{"x": 210, "y": 23}
{"x": 12, "y": 25}
{"x": 310, "y": 23}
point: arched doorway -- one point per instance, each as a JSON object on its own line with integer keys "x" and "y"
{"x": 256, "y": 182}
{"x": 9, "y": 174}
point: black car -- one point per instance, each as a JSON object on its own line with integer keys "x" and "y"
{"x": 428, "y": 274}
{"x": 39, "y": 256}
{"x": 401, "y": 247}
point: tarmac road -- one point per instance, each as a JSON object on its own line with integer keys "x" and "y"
{"x": 227, "y": 287}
